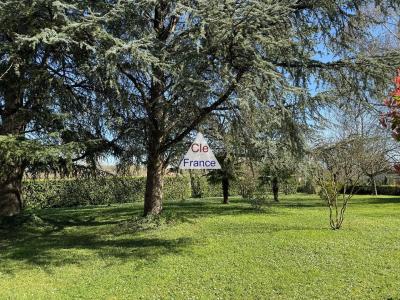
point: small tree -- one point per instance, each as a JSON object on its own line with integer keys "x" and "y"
{"x": 376, "y": 150}
{"x": 374, "y": 159}
{"x": 337, "y": 171}
{"x": 248, "y": 184}
{"x": 278, "y": 170}
{"x": 225, "y": 175}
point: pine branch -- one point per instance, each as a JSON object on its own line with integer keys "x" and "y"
{"x": 305, "y": 4}
{"x": 205, "y": 112}
{"x": 135, "y": 82}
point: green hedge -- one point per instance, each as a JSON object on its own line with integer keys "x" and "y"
{"x": 106, "y": 190}
{"x": 382, "y": 190}
{"x": 97, "y": 191}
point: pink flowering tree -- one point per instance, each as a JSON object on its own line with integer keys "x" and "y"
{"x": 391, "y": 119}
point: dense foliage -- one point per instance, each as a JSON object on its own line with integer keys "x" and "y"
{"x": 391, "y": 119}
{"x": 138, "y": 77}
{"x": 380, "y": 189}
{"x": 97, "y": 191}
{"x": 169, "y": 65}
{"x": 44, "y": 193}
{"x": 202, "y": 187}
{"x": 47, "y": 103}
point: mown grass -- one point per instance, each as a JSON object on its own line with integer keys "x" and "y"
{"x": 206, "y": 250}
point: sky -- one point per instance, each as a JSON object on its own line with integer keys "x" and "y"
{"x": 388, "y": 31}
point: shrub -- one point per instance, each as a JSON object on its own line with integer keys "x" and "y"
{"x": 259, "y": 200}
{"x": 97, "y": 191}
{"x": 196, "y": 186}
{"x": 308, "y": 188}
{"x": 202, "y": 188}
{"x": 176, "y": 188}
{"x": 392, "y": 190}
{"x": 289, "y": 186}
{"x": 247, "y": 186}
{"x": 389, "y": 190}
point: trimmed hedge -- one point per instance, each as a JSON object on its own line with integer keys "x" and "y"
{"x": 97, "y": 191}
{"x": 50, "y": 193}
{"x": 201, "y": 188}
{"x": 392, "y": 190}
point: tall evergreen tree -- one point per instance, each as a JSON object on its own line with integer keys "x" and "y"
{"x": 45, "y": 97}
{"x": 172, "y": 63}
{"x": 157, "y": 69}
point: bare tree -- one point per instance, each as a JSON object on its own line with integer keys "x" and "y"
{"x": 337, "y": 172}
{"x": 374, "y": 159}
{"x": 377, "y": 151}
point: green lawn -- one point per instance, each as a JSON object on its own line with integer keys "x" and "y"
{"x": 207, "y": 250}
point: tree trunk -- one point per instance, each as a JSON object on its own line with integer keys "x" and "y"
{"x": 12, "y": 122}
{"x": 275, "y": 189}
{"x": 153, "y": 197}
{"x": 225, "y": 190}
{"x": 374, "y": 184}
{"x": 154, "y": 189}
{"x": 10, "y": 194}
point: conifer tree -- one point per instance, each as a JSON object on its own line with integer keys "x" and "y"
{"x": 45, "y": 99}
{"x": 153, "y": 71}
{"x": 173, "y": 63}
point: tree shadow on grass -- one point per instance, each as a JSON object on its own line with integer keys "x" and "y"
{"x": 200, "y": 208}
{"x": 305, "y": 202}
{"x": 292, "y": 203}
{"x": 89, "y": 216}
{"x": 56, "y": 248}
{"x": 60, "y": 237}
{"x": 55, "y": 237}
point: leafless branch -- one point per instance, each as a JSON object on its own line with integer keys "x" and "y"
{"x": 8, "y": 70}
